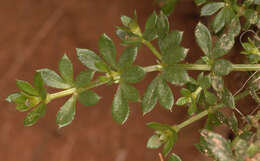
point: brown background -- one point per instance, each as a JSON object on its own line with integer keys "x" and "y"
{"x": 35, "y": 34}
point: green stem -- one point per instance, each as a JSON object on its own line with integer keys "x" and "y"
{"x": 205, "y": 113}
{"x": 152, "y": 68}
{"x": 235, "y": 67}
{"x": 70, "y": 91}
{"x": 152, "y": 48}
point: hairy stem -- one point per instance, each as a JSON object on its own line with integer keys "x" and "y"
{"x": 206, "y": 112}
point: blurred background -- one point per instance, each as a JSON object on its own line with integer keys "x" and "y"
{"x": 35, "y": 34}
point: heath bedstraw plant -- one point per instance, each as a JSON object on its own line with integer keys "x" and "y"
{"x": 203, "y": 96}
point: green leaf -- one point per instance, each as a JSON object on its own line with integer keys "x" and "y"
{"x": 203, "y": 38}
{"x": 229, "y": 15}
{"x": 125, "y": 20}
{"x": 150, "y": 32}
{"x": 88, "y": 98}
{"x": 22, "y": 108}
{"x": 38, "y": 81}
{"x": 120, "y": 107}
{"x": 240, "y": 147}
{"x": 26, "y": 87}
{"x": 158, "y": 126}
{"x": 130, "y": 92}
{"x": 33, "y": 116}
{"x": 66, "y": 69}
{"x": 204, "y": 81}
{"x": 217, "y": 83}
{"x": 183, "y": 101}
{"x": 234, "y": 27}
{"x": 52, "y": 79}
{"x": 175, "y": 75}
{"x": 128, "y": 56}
{"x": 257, "y": 2}
{"x": 84, "y": 78}
{"x": 162, "y": 25}
{"x": 192, "y": 109}
{"x": 16, "y": 98}
{"x": 174, "y": 157}
{"x": 174, "y": 54}
{"x": 90, "y": 60}
{"x": 132, "y": 74}
{"x": 211, "y": 8}
{"x": 228, "y": 98}
{"x": 67, "y": 112}
{"x": 210, "y": 98}
{"x": 233, "y": 123}
{"x": 169, "y": 144}
{"x": 107, "y": 48}
{"x": 150, "y": 96}
{"x": 219, "y": 146}
{"x": 219, "y": 21}
{"x": 169, "y": 6}
{"x": 154, "y": 142}
{"x": 185, "y": 92}
{"x": 200, "y": 2}
{"x": 222, "y": 67}
{"x": 223, "y": 45}
{"x": 172, "y": 39}
{"x": 165, "y": 96}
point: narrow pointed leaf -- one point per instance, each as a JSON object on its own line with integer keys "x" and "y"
{"x": 52, "y": 79}
{"x": 234, "y": 27}
{"x": 107, "y": 49}
{"x": 22, "y": 108}
{"x": 165, "y": 96}
{"x": 162, "y": 25}
{"x": 130, "y": 92}
{"x": 84, "y": 78}
{"x": 153, "y": 142}
{"x": 172, "y": 39}
{"x": 204, "y": 81}
{"x": 33, "y": 116}
{"x": 228, "y": 98}
{"x": 88, "y": 98}
{"x": 210, "y": 98}
{"x": 132, "y": 74}
{"x": 223, "y": 45}
{"x": 219, "y": 21}
{"x": 174, "y": 157}
{"x": 168, "y": 146}
{"x": 222, "y": 67}
{"x": 150, "y": 96}
{"x": 174, "y": 54}
{"x": 90, "y": 59}
{"x": 120, "y": 107}
{"x": 169, "y": 6}
{"x": 200, "y": 2}
{"x": 203, "y": 38}
{"x": 219, "y": 146}
{"x": 150, "y": 32}
{"x": 183, "y": 101}
{"x": 125, "y": 20}
{"x": 26, "y": 87}
{"x": 67, "y": 112}
{"x": 38, "y": 81}
{"x": 128, "y": 56}
{"x": 211, "y": 8}
{"x": 16, "y": 98}
{"x": 66, "y": 69}
{"x": 175, "y": 75}
{"x": 233, "y": 123}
